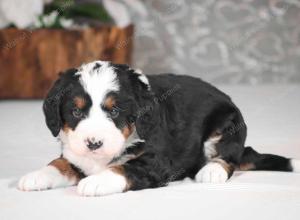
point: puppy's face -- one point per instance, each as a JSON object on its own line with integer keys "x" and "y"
{"x": 94, "y": 108}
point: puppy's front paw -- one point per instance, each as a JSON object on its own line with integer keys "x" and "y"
{"x": 105, "y": 183}
{"x": 45, "y": 178}
{"x": 212, "y": 173}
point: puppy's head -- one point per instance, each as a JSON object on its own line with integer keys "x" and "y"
{"x": 95, "y": 108}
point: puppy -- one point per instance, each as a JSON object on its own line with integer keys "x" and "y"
{"x": 121, "y": 130}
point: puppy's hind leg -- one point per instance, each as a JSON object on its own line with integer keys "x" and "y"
{"x": 222, "y": 151}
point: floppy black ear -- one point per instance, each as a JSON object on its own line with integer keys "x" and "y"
{"x": 51, "y": 107}
{"x": 52, "y": 102}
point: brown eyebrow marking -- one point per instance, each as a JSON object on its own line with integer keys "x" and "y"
{"x": 109, "y": 102}
{"x": 79, "y": 102}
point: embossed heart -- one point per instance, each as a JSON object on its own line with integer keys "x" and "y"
{"x": 168, "y": 10}
{"x": 210, "y": 53}
{"x": 267, "y": 46}
{"x": 234, "y": 15}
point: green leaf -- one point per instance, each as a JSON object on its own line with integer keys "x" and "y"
{"x": 71, "y": 10}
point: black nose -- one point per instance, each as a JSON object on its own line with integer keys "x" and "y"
{"x": 93, "y": 145}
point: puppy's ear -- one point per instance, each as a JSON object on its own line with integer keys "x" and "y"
{"x": 52, "y": 102}
{"x": 51, "y": 108}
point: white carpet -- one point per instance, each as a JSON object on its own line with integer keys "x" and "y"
{"x": 273, "y": 117}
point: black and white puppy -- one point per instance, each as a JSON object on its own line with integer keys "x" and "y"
{"x": 121, "y": 130}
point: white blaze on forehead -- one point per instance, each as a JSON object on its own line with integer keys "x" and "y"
{"x": 97, "y": 82}
{"x": 98, "y": 79}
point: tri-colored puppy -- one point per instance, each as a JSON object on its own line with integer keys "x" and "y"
{"x": 121, "y": 130}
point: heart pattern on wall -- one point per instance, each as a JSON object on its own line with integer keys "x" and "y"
{"x": 220, "y": 39}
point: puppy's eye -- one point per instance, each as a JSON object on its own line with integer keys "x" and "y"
{"x": 114, "y": 112}
{"x": 77, "y": 113}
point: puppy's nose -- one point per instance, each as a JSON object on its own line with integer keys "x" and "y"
{"x": 92, "y": 144}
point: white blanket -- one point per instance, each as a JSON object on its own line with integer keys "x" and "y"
{"x": 273, "y": 117}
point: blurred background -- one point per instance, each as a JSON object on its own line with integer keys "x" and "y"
{"x": 222, "y": 41}
{"x": 247, "y": 42}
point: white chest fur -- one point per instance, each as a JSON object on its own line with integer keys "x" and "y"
{"x": 88, "y": 165}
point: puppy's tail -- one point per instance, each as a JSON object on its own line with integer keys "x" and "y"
{"x": 252, "y": 160}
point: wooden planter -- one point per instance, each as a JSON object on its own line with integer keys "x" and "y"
{"x": 31, "y": 60}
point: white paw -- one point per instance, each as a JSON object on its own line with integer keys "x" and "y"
{"x": 45, "y": 178}
{"x": 101, "y": 184}
{"x": 212, "y": 173}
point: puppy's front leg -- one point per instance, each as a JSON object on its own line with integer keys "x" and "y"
{"x": 107, "y": 182}
{"x": 144, "y": 172}
{"x": 58, "y": 173}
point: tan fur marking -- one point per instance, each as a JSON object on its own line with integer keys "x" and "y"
{"x": 228, "y": 167}
{"x": 79, "y": 102}
{"x": 121, "y": 171}
{"x": 65, "y": 168}
{"x": 66, "y": 128}
{"x": 216, "y": 138}
{"x": 216, "y": 134}
{"x": 246, "y": 166}
{"x": 110, "y": 102}
{"x": 127, "y": 131}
